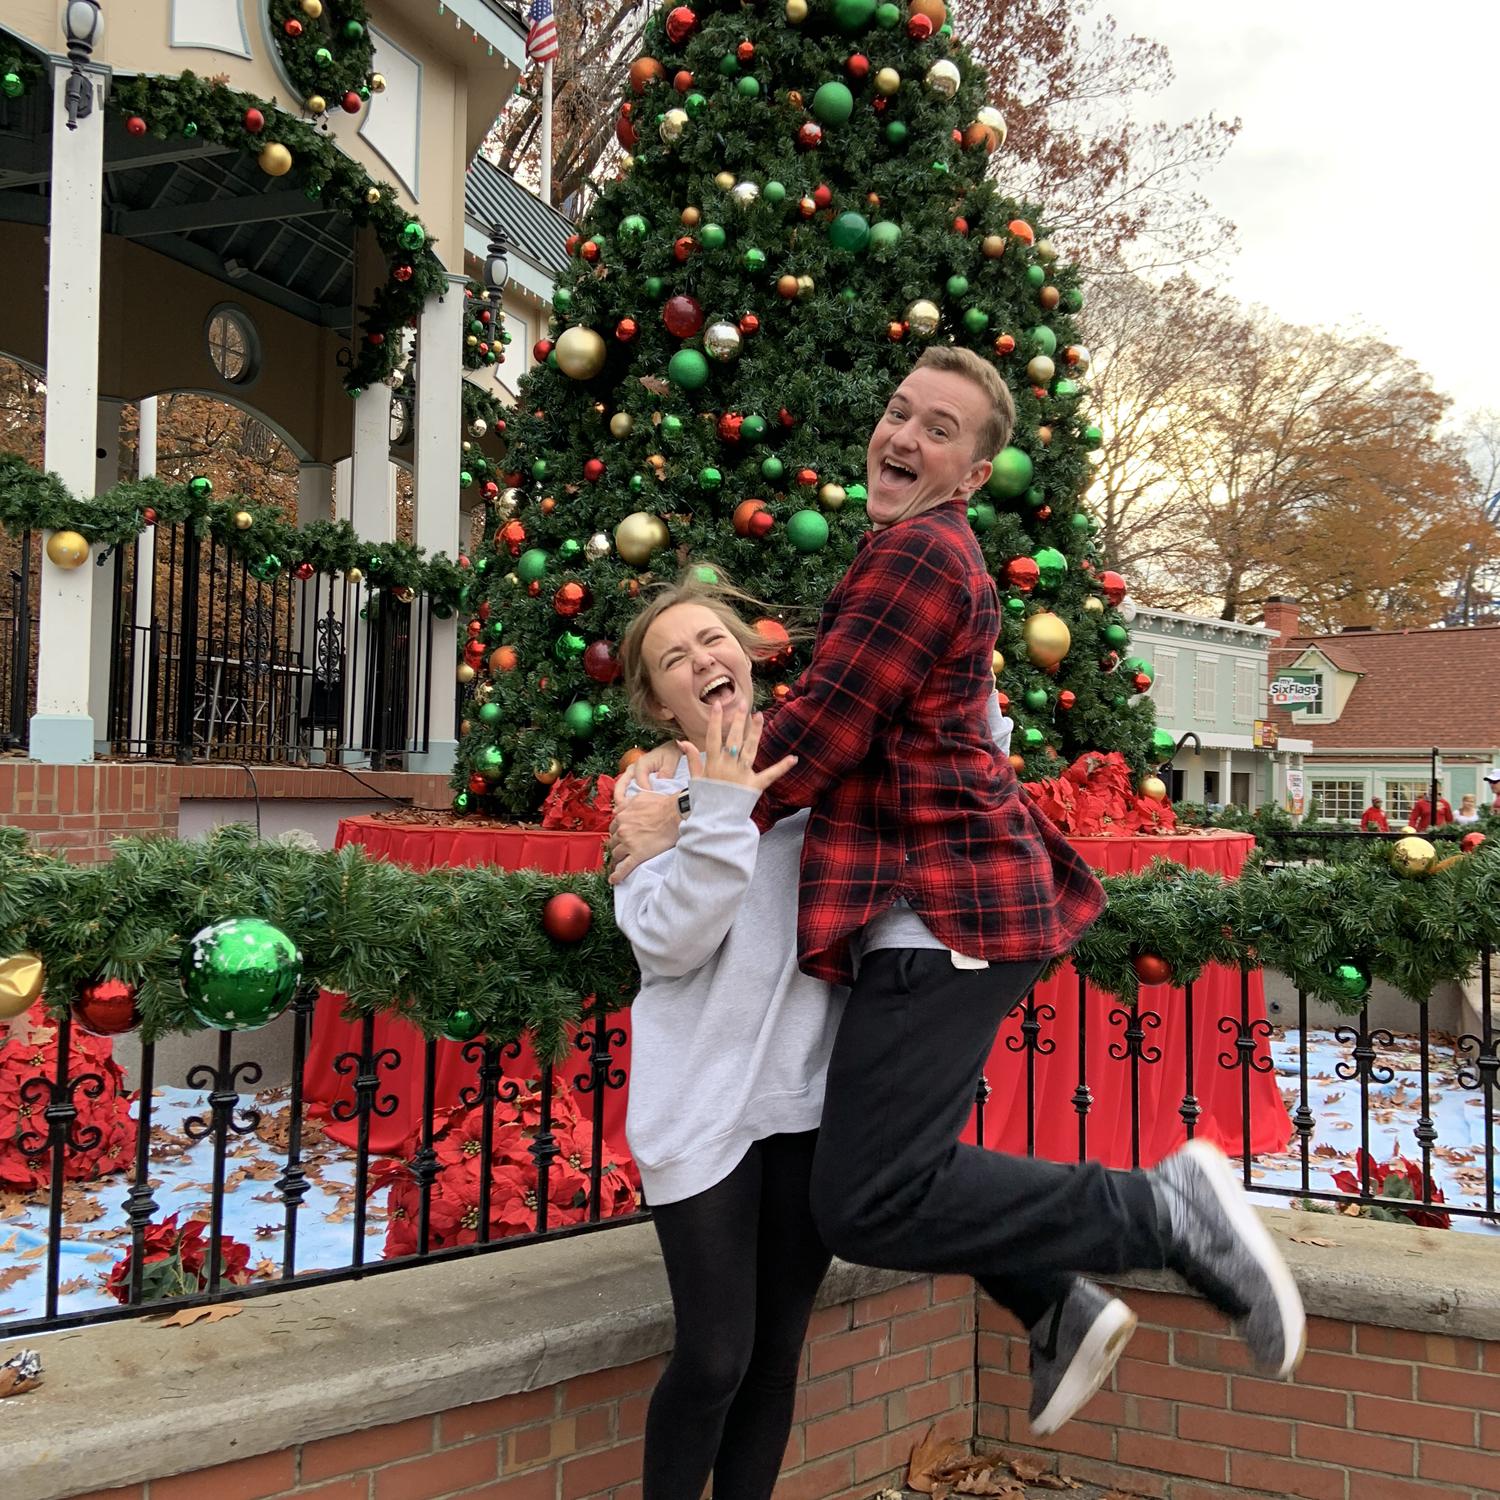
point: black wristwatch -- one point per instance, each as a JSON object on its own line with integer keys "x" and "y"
{"x": 684, "y": 804}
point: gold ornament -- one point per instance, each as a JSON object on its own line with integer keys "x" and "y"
{"x": 403, "y": 595}
{"x": 1154, "y": 788}
{"x": 804, "y": 288}
{"x": 275, "y": 160}
{"x": 942, "y": 78}
{"x": 1094, "y": 604}
{"x": 597, "y": 546}
{"x": 377, "y": 83}
{"x": 994, "y": 122}
{"x": 312, "y": 8}
{"x": 243, "y": 520}
{"x": 796, "y": 11}
{"x": 639, "y": 535}
{"x": 316, "y": 104}
{"x": 550, "y": 774}
{"x": 484, "y": 692}
{"x": 673, "y": 123}
{"x": 355, "y": 575}
{"x": 1413, "y": 857}
{"x": 620, "y": 424}
{"x": 372, "y": 196}
{"x": 463, "y": 725}
{"x": 1047, "y": 639}
{"x": 1041, "y": 370}
{"x": 993, "y": 246}
{"x": 67, "y": 549}
{"x": 580, "y": 353}
{"x": 923, "y": 317}
{"x": 887, "y": 81}
{"x": 997, "y": 663}
{"x": 471, "y": 341}
{"x": 724, "y": 181}
{"x": 1046, "y": 252}
{"x": 832, "y": 496}
{"x": 465, "y": 672}
{"x": 626, "y": 163}
{"x": 21, "y": 981}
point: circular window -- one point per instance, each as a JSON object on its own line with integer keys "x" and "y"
{"x": 400, "y": 421}
{"x": 233, "y": 346}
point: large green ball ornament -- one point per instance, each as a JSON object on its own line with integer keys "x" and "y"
{"x": 12, "y": 85}
{"x": 1015, "y": 606}
{"x": 461, "y": 1025}
{"x": 808, "y": 531}
{"x": 413, "y": 236}
{"x": 489, "y": 713}
{"x": 654, "y": 287}
{"x": 853, "y": 15}
{"x": 729, "y": 65}
{"x": 569, "y": 646}
{"x": 1032, "y": 738}
{"x": 1081, "y": 521}
{"x": 958, "y": 286}
{"x": 1163, "y": 746}
{"x": 1064, "y": 389}
{"x": 1036, "y": 276}
{"x": 753, "y": 259}
{"x": 1117, "y": 636}
{"x": 976, "y": 319}
{"x": 491, "y": 761}
{"x": 671, "y": 427}
{"x": 896, "y": 133}
{"x": 200, "y": 487}
{"x": 1036, "y": 699}
{"x": 772, "y": 468}
{"x": 1093, "y": 435}
{"x": 748, "y": 87}
{"x": 531, "y": 566}
{"x": 1036, "y": 496}
{"x": 887, "y": 16}
{"x": 240, "y": 974}
{"x": 712, "y": 236}
{"x": 1350, "y": 982}
{"x": 850, "y": 231}
{"x": 562, "y": 298}
{"x": 709, "y": 478}
{"x": 753, "y": 428}
{"x": 983, "y": 517}
{"x": 323, "y": 57}
{"x": 688, "y": 369}
{"x": 833, "y": 104}
{"x": 1043, "y": 340}
{"x": 633, "y": 229}
{"x": 539, "y": 470}
{"x": 578, "y": 720}
{"x": 1052, "y": 567}
{"x": 884, "y": 234}
{"x": 775, "y": 192}
{"x": 1010, "y": 475}
{"x": 857, "y": 494}
{"x": 1073, "y": 300}
{"x": 695, "y": 104}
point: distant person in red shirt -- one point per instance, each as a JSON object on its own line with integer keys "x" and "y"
{"x": 1492, "y": 780}
{"x": 1420, "y": 817}
{"x": 1373, "y": 819}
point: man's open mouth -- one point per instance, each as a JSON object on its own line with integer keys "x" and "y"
{"x": 895, "y": 473}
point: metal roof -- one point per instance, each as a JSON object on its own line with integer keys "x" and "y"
{"x": 494, "y": 197}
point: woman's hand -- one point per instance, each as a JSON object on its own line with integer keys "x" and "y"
{"x": 730, "y": 756}
{"x": 658, "y": 762}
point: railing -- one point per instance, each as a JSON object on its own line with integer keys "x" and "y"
{"x": 18, "y": 638}
{"x": 550, "y": 1160}
{"x": 214, "y": 662}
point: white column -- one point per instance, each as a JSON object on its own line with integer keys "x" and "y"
{"x": 103, "y": 646}
{"x": 62, "y": 731}
{"x": 372, "y": 511}
{"x": 1226, "y": 778}
{"x": 546, "y": 143}
{"x": 145, "y": 582}
{"x": 439, "y": 433}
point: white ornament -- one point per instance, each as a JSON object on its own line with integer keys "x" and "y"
{"x": 942, "y": 78}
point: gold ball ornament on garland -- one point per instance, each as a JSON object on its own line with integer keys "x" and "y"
{"x": 275, "y": 160}
{"x": 796, "y": 11}
{"x": 1413, "y": 857}
{"x": 887, "y": 81}
{"x": 243, "y": 520}
{"x": 620, "y": 424}
{"x": 943, "y": 78}
{"x": 994, "y": 122}
{"x": 549, "y": 773}
{"x": 580, "y": 353}
{"x": 312, "y": 9}
{"x": 1047, "y": 638}
{"x": 1094, "y": 605}
{"x": 639, "y": 535}
{"x": 923, "y": 318}
{"x": 315, "y": 104}
{"x": 1154, "y": 788}
{"x": 67, "y": 549}
{"x": 21, "y": 980}
{"x": 997, "y": 662}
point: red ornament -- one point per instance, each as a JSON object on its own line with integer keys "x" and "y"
{"x": 376, "y": 338}
{"x": 809, "y": 135}
{"x": 478, "y": 786}
{"x": 858, "y": 65}
{"x": 1141, "y": 682}
{"x": 626, "y": 329}
{"x": 761, "y": 523}
{"x": 402, "y": 274}
{"x": 600, "y": 662}
{"x": 566, "y": 918}
{"x": 1022, "y": 231}
{"x": 822, "y": 195}
{"x": 1066, "y": 698}
{"x": 511, "y": 536}
{"x": 729, "y": 426}
{"x": 570, "y": 599}
{"x": 745, "y": 51}
{"x": 786, "y": 418}
{"x": 808, "y": 477}
{"x": 590, "y": 251}
{"x": 540, "y": 350}
{"x": 744, "y": 512}
{"x": 463, "y": 560}
{"x": 571, "y": 243}
{"x": 293, "y": 27}
{"x": 475, "y": 653}
{"x": 1114, "y": 587}
{"x": 1045, "y": 513}
{"x": 1004, "y": 701}
{"x": 352, "y": 103}
{"x": 1470, "y": 842}
{"x": 305, "y": 570}
{"x": 778, "y": 644}
{"x": 106, "y": 1008}
{"x": 254, "y": 121}
{"x": 781, "y": 691}
{"x": 490, "y": 490}
{"x": 593, "y": 470}
{"x": 149, "y": 515}
{"x": 683, "y": 246}
{"x": 919, "y": 27}
{"x": 960, "y": 225}
{"x": 484, "y": 609}
{"x": 534, "y": 590}
{"x": 474, "y": 627}
{"x": 749, "y": 324}
{"x": 895, "y": 332}
{"x": 504, "y": 659}
{"x": 958, "y": 136}
{"x": 683, "y": 315}
{"x": 806, "y": 207}
{"x": 1022, "y": 573}
{"x": 1151, "y": 969}
{"x": 626, "y": 136}
{"x": 683, "y": 81}
{"x": 681, "y": 24}
{"x": 879, "y": 104}
{"x": 136, "y": 125}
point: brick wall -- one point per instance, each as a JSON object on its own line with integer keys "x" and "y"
{"x": 876, "y": 1373}
{"x": 80, "y": 810}
{"x": 1373, "y": 1414}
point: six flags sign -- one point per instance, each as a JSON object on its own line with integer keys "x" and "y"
{"x": 1295, "y": 692}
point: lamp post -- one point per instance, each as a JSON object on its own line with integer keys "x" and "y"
{"x": 496, "y": 266}
{"x": 83, "y": 23}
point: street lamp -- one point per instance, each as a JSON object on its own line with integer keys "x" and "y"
{"x": 84, "y": 25}
{"x": 496, "y": 266}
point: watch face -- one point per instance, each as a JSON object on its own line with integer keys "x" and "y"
{"x": 684, "y": 802}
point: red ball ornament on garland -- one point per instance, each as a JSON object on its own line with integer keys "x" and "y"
{"x": 303, "y": 571}
{"x": 626, "y": 329}
{"x": 1066, "y": 699}
{"x": 858, "y": 65}
{"x": 809, "y": 135}
{"x": 745, "y": 51}
{"x": 590, "y": 251}
{"x": 822, "y": 195}
{"x": 1470, "y": 842}
{"x": 570, "y": 599}
{"x": 512, "y": 536}
{"x": 600, "y": 662}
{"x": 749, "y": 324}
{"x": 478, "y": 786}
{"x": 593, "y": 470}
{"x": 778, "y": 644}
{"x": 1005, "y": 344}
{"x": 1150, "y": 968}
{"x": 786, "y": 418}
{"x": 1114, "y": 587}
{"x": 107, "y": 1007}
{"x": 148, "y": 515}
{"x": 571, "y": 243}
{"x": 293, "y": 28}
{"x": 1022, "y": 573}
{"x": 729, "y": 427}
{"x": 681, "y": 24}
{"x": 807, "y": 477}
{"x": 352, "y": 103}
{"x": 490, "y": 490}
{"x": 683, "y": 81}
{"x": 566, "y": 918}
{"x": 254, "y": 121}
{"x": 960, "y": 225}
{"x": 919, "y": 27}
{"x": 136, "y": 125}
{"x": 540, "y": 350}
{"x": 806, "y": 207}
{"x": 474, "y": 653}
{"x": 683, "y": 316}
{"x": 625, "y": 135}
{"x": 744, "y": 512}
{"x": 403, "y": 274}
{"x": 683, "y": 246}
{"x": 760, "y": 524}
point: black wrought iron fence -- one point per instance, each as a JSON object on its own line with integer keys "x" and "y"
{"x": 216, "y": 662}
{"x": 1323, "y": 1116}
{"x": 18, "y": 637}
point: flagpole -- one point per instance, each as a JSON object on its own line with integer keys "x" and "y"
{"x": 547, "y": 132}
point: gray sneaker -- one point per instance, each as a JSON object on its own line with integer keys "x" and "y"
{"x": 1073, "y": 1349}
{"x": 1218, "y": 1245}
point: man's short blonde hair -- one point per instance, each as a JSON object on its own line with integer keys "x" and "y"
{"x": 1001, "y": 422}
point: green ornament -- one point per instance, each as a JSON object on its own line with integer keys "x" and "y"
{"x": 578, "y": 720}
{"x": 709, "y": 478}
{"x": 1043, "y": 340}
{"x": 747, "y": 87}
{"x": 477, "y": 328}
{"x": 808, "y": 530}
{"x": 848, "y": 294}
{"x": 772, "y": 468}
{"x": 1036, "y": 699}
{"x": 729, "y": 65}
{"x": 1093, "y": 435}
{"x": 982, "y": 516}
{"x": 568, "y": 646}
{"x": 461, "y": 1025}
{"x": 976, "y": 319}
{"x": 856, "y": 494}
{"x": 239, "y": 974}
{"x": 1350, "y": 982}
{"x": 958, "y": 286}
{"x": 853, "y": 15}
{"x": 1036, "y": 275}
{"x": 753, "y": 259}
{"x": 1052, "y": 566}
{"x": 491, "y": 761}
{"x": 688, "y": 369}
{"x": 632, "y": 228}
{"x": 569, "y": 548}
{"x": 1036, "y": 496}
{"x": 1014, "y": 606}
{"x": 562, "y": 300}
{"x": 705, "y": 574}
{"x": 552, "y": 360}
{"x": 190, "y": 129}
{"x": 603, "y": 713}
{"x": 671, "y": 427}
{"x": 1081, "y": 521}
{"x": 461, "y": 803}
{"x": 637, "y": 484}
{"x": 896, "y": 133}
{"x": 833, "y": 104}
{"x": 653, "y": 287}
{"x": 268, "y": 567}
{"x": 353, "y": 31}
{"x": 1073, "y": 299}
{"x": 531, "y": 566}
{"x": 1065, "y": 389}
{"x": 946, "y": 29}
{"x": 850, "y": 231}
{"x": 695, "y": 104}
{"x": 1163, "y": 746}
{"x": 753, "y": 428}
{"x": 200, "y": 486}
{"x": 942, "y": 166}
{"x": 539, "y": 470}
{"x": 1117, "y": 636}
{"x": 494, "y": 632}
{"x": 775, "y": 192}
{"x": 413, "y": 236}
{"x": 323, "y": 57}
{"x": 884, "y": 234}
{"x": 1032, "y": 737}
{"x": 465, "y": 479}
{"x": 712, "y": 236}
{"x": 11, "y": 85}
{"x": 1010, "y": 475}
{"x": 887, "y": 16}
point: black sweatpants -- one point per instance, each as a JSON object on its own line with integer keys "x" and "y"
{"x": 892, "y": 1186}
{"x": 744, "y": 1263}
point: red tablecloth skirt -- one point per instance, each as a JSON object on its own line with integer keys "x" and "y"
{"x": 1161, "y": 1084}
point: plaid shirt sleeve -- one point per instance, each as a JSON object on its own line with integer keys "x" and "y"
{"x": 893, "y": 620}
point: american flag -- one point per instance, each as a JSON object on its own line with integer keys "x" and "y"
{"x": 541, "y": 35}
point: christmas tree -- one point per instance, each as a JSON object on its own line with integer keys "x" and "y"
{"x": 806, "y": 209}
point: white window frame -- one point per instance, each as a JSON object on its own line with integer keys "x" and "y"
{"x": 1395, "y": 786}
{"x": 1164, "y": 683}
{"x": 1356, "y": 803}
{"x": 1246, "y": 680}
{"x": 1205, "y": 675}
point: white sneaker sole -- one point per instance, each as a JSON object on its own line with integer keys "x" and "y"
{"x": 1089, "y": 1368}
{"x": 1257, "y": 1240}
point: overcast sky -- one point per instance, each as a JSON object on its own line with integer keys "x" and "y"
{"x": 1365, "y": 183}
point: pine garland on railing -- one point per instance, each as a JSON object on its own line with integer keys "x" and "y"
{"x": 468, "y": 950}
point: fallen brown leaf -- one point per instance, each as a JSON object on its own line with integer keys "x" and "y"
{"x": 8, "y": 1246}
{"x": 73, "y": 1284}
{"x": 1312, "y": 1239}
{"x": 12, "y": 1274}
{"x": 34, "y": 1253}
{"x": 12, "y": 1384}
{"x": 1028, "y": 1470}
{"x": 928, "y": 1459}
{"x": 190, "y": 1315}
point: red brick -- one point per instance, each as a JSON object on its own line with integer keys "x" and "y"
{"x": 539, "y": 1484}
{"x": 1154, "y": 1345}
{"x": 844, "y": 1429}
{"x": 1207, "y": 1351}
{"x": 630, "y": 1419}
{"x": 1199, "y": 1424}
{"x": 1147, "y": 1451}
{"x": 605, "y": 1385}
{"x": 499, "y": 1415}
{"x": 952, "y": 1289}
{"x": 1139, "y": 1412}
{"x": 1331, "y": 1335}
{"x": 917, "y": 1330}
{"x": 1004, "y": 1389}
{"x": 929, "y": 1399}
{"x": 1459, "y": 1388}
{"x": 951, "y": 1355}
{"x": 352, "y": 1487}
{"x": 601, "y": 1471}
{"x": 1274, "y": 1398}
{"x": 595, "y": 1426}
{"x": 882, "y": 1457}
{"x": 841, "y": 1350}
{"x": 1356, "y": 1450}
{"x": 1344, "y": 1372}
{"x": 1441, "y": 1424}
{"x": 814, "y": 1481}
{"x": 1418, "y": 1348}
{"x": 994, "y": 1350}
{"x": 439, "y": 1473}
{"x": 997, "y": 1319}
{"x": 1383, "y": 1487}
{"x": 1460, "y": 1465}
{"x": 370, "y": 1449}
{"x": 245, "y": 1479}
{"x": 902, "y": 1299}
{"x": 1197, "y": 1387}
{"x": 534, "y": 1445}
{"x": 816, "y": 1398}
{"x": 1167, "y": 1310}
{"x": 125, "y": 1492}
{"x": 886, "y": 1375}
{"x": 1083, "y": 1439}
{"x": 827, "y": 1320}
{"x": 1283, "y": 1477}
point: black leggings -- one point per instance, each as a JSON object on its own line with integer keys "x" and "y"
{"x": 744, "y": 1263}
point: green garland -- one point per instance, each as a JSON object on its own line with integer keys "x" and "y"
{"x": 485, "y": 334}
{"x": 20, "y": 72}
{"x": 31, "y": 500}
{"x": 325, "y": 49}
{"x": 195, "y": 108}
{"x": 426, "y": 945}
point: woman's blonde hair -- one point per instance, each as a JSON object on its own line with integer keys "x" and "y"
{"x": 692, "y": 586}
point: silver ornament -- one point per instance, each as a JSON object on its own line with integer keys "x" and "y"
{"x": 478, "y": 427}
{"x": 942, "y": 78}
{"x": 673, "y": 123}
{"x": 922, "y": 318}
{"x": 721, "y": 341}
{"x": 745, "y": 193}
{"x": 597, "y": 546}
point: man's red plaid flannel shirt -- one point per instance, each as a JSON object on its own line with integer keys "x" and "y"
{"x": 908, "y": 797}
